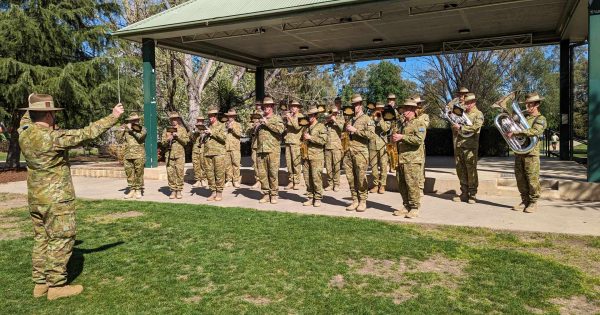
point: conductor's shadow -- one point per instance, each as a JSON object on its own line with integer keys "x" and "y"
{"x": 165, "y": 190}
{"x": 202, "y": 192}
{"x": 380, "y": 206}
{"x": 248, "y": 193}
{"x": 76, "y": 262}
{"x": 334, "y": 202}
{"x": 293, "y": 197}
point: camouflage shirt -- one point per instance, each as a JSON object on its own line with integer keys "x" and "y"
{"x": 538, "y": 125}
{"x": 233, "y": 136}
{"x": 177, "y": 148}
{"x": 410, "y": 148}
{"x": 318, "y": 139}
{"x": 46, "y": 152}
{"x": 334, "y": 132}
{"x": 293, "y": 131}
{"x": 134, "y": 143}
{"x": 472, "y": 142}
{"x": 269, "y": 135}
{"x": 254, "y": 137}
{"x": 380, "y": 138}
{"x": 216, "y": 143}
{"x": 198, "y": 140}
{"x": 359, "y": 140}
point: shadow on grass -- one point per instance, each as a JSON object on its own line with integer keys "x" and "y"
{"x": 76, "y": 262}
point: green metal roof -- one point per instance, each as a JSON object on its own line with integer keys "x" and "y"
{"x": 205, "y": 12}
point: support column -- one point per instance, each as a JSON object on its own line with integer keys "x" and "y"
{"x": 594, "y": 93}
{"x": 150, "y": 115}
{"x": 565, "y": 100}
{"x": 259, "y": 83}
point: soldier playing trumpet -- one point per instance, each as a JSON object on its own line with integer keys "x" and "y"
{"x": 133, "y": 136}
{"x": 315, "y": 138}
{"x": 174, "y": 139}
{"x": 378, "y": 156}
{"x": 268, "y": 151}
{"x": 234, "y": 154}
{"x": 198, "y": 140}
{"x": 292, "y": 145}
{"x": 334, "y": 124}
{"x": 214, "y": 154}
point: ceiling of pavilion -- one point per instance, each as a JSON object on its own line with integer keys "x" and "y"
{"x": 281, "y": 33}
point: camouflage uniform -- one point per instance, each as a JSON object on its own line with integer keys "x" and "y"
{"x": 51, "y": 194}
{"x": 378, "y": 157}
{"x": 254, "y": 145}
{"x": 214, "y": 156}
{"x": 234, "y": 154}
{"x": 268, "y": 153}
{"x": 425, "y": 118}
{"x": 313, "y": 166}
{"x": 333, "y": 151}
{"x": 135, "y": 156}
{"x": 198, "y": 140}
{"x": 356, "y": 158}
{"x": 175, "y": 158}
{"x": 292, "y": 150}
{"x": 466, "y": 154}
{"x": 410, "y": 159}
{"x": 527, "y": 166}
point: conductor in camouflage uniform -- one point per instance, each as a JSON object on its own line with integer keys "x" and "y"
{"x": 356, "y": 159}
{"x": 198, "y": 140}
{"x": 133, "y": 136}
{"x": 50, "y": 189}
{"x": 466, "y": 148}
{"x": 174, "y": 139}
{"x": 315, "y": 138}
{"x": 410, "y": 139}
{"x": 334, "y": 125}
{"x": 268, "y": 151}
{"x": 378, "y": 156}
{"x": 425, "y": 118}
{"x": 527, "y": 166}
{"x": 233, "y": 156}
{"x": 252, "y": 132}
{"x": 214, "y": 154}
{"x": 292, "y": 145}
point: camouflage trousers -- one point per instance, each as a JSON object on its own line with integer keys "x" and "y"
{"x": 175, "y": 172}
{"x": 268, "y": 172}
{"x": 408, "y": 176}
{"x": 355, "y": 166}
{"x": 134, "y": 169}
{"x": 215, "y": 171}
{"x": 422, "y": 181}
{"x": 53, "y": 240}
{"x": 198, "y": 163}
{"x": 293, "y": 160}
{"x": 333, "y": 166}
{"x": 379, "y": 162}
{"x": 313, "y": 177}
{"x": 466, "y": 169}
{"x": 254, "y": 165}
{"x": 232, "y": 164}
{"x": 527, "y": 172}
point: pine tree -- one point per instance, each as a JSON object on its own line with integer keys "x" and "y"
{"x": 62, "y": 48}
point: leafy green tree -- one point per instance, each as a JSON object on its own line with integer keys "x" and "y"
{"x": 385, "y": 78}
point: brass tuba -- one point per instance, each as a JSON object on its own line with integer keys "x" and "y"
{"x": 505, "y": 122}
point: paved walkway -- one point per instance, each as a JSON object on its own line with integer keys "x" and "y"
{"x": 492, "y": 212}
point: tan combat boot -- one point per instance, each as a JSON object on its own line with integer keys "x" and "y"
{"x": 130, "y": 194}
{"x": 317, "y": 203}
{"x": 219, "y": 196}
{"x": 327, "y": 188}
{"x": 459, "y": 198}
{"x": 173, "y": 194}
{"x": 472, "y": 200}
{"x": 40, "y": 290}
{"x": 352, "y": 206}
{"x": 236, "y": 184}
{"x": 374, "y": 189}
{"x": 137, "y": 194}
{"x": 308, "y": 202}
{"x": 197, "y": 184}
{"x": 256, "y": 185}
{"x": 204, "y": 183}
{"x": 212, "y": 196}
{"x": 264, "y": 199}
{"x": 413, "y": 213}
{"x": 381, "y": 190}
{"x": 178, "y": 194}
{"x": 289, "y": 186}
{"x": 336, "y": 188}
{"x": 519, "y": 207}
{"x": 227, "y": 184}
{"x": 296, "y": 187}
{"x": 64, "y": 291}
{"x": 362, "y": 206}
{"x": 401, "y": 211}
{"x": 531, "y": 208}
{"x": 274, "y": 199}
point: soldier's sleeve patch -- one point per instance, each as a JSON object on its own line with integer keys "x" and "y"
{"x": 421, "y": 129}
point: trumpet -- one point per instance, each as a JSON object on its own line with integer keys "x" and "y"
{"x": 376, "y": 115}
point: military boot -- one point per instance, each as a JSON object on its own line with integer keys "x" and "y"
{"x": 236, "y": 184}
{"x": 362, "y": 206}
{"x": 227, "y": 184}
{"x": 64, "y": 291}
{"x": 137, "y": 194}
{"x": 308, "y": 202}
{"x": 336, "y": 188}
{"x": 197, "y": 184}
{"x": 264, "y": 199}
{"x": 212, "y": 196}
{"x": 219, "y": 196}
{"x": 40, "y": 290}
{"x": 374, "y": 189}
{"x": 413, "y": 213}
{"x": 402, "y": 211}
{"x": 173, "y": 195}
{"x": 274, "y": 199}
{"x": 130, "y": 194}
{"x": 327, "y": 188}
{"x": 256, "y": 185}
{"x": 289, "y": 186}
{"x": 204, "y": 183}
{"x": 519, "y": 207}
{"x": 317, "y": 203}
{"x": 460, "y": 198}
{"x": 531, "y": 208}
{"x": 381, "y": 190}
{"x": 178, "y": 194}
{"x": 472, "y": 200}
{"x": 352, "y": 206}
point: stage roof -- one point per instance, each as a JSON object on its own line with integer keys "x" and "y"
{"x": 285, "y": 33}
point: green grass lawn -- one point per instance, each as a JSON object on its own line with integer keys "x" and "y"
{"x": 580, "y": 151}
{"x": 200, "y": 259}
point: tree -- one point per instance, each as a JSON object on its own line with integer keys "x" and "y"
{"x": 385, "y": 78}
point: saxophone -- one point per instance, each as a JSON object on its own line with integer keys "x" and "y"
{"x": 391, "y": 147}
{"x": 348, "y": 112}
{"x": 304, "y": 144}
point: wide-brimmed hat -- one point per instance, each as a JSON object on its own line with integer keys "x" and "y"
{"x": 295, "y": 103}
{"x": 410, "y": 102}
{"x": 417, "y": 99}
{"x": 200, "y": 118}
{"x": 391, "y": 96}
{"x": 313, "y": 110}
{"x": 533, "y": 97}
{"x": 41, "y": 102}
{"x": 133, "y": 117}
{"x": 463, "y": 90}
{"x": 356, "y": 98}
{"x": 174, "y": 115}
{"x": 200, "y": 122}
{"x": 470, "y": 97}
{"x": 379, "y": 105}
{"x": 212, "y": 110}
{"x": 231, "y": 112}
{"x": 268, "y": 101}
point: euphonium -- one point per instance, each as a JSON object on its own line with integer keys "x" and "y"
{"x": 507, "y": 123}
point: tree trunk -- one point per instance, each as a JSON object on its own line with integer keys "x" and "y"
{"x": 14, "y": 151}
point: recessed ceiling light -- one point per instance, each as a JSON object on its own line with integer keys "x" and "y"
{"x": 303, "y": 47}
{"x": 377, "y": 40}
{"x": 464, "y": 31}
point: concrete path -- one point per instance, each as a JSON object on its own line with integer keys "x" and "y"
{"x": 491, "y": 212}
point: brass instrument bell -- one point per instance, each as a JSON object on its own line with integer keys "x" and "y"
{"x": 136, "y": 127}
{"x": 171, "y": 129}
{"x": 321, "y": 108}
{"x": 303, "y": 121}
{"x": 255, "y": 116}
{"x": 371, "y": 106}
{"x": 389, "y": 114}
{"x": 348, "y": 110}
